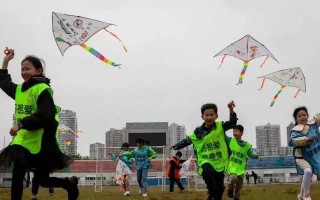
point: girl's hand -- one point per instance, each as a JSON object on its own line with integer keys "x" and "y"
{"x": 149, "y": 159}
{"x": 231, "y": 105}
{"x": 9, "y": 55}
{"x": 14, "y": 130}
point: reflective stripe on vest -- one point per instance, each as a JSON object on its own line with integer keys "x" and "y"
{"x": 211, "y": 149}
{"x": 238, "y": 158}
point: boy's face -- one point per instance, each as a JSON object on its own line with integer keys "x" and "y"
{"x": 125, "y": 148}
{"x": 237, "y": 133}
{"x": 209, "y": 117}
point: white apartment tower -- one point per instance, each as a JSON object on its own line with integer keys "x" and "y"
{"x": 268, "y": 136}
{"x": 67, "y": 140}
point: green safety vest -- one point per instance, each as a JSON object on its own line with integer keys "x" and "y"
{"x": 238, "y": 158}
{"x": 211, "y": 149}
{"x": 25, "y": 105}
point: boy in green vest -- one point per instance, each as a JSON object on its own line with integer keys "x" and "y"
{"x": 210, "y": 147}
{"x": 240, "y": 151}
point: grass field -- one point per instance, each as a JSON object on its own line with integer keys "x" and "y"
{"x": 256, "y": 192}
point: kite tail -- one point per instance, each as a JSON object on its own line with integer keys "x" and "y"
{"x": 99, "y": 55}
{"x": 245, "y": 66}
{"x": 114, "y": 35}
{"x": 222, "y": 60}
{"x": 276, "y": 96}
{"x": 264, "y": 62}
{"x": 262, "y": 84}
{"x": 295, "y": 96}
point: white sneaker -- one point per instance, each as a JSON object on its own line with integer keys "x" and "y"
{"x": 126, "y": 193}
{"x": 307, "y": 198}
{"x": 139, "y": 191}
{"x": 145, "y": 194}
{"x": 300, "y": 197}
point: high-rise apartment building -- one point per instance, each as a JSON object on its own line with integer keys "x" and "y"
{"x": 268, "y": 136}
{"x": 96, "y": 151}
{"x": 68, "y": 140}
{"x": 115, "y": 137}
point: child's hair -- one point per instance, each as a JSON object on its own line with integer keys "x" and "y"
{"x": 140, "y": 141}
{"x": 179, "y": 154}
{"x": 239, "y": 127}
{"x": 38, "y": 63}
{"x": 209, "y": 106}
{"x": 125, "y": 144}
{"x": 295, "y": 113}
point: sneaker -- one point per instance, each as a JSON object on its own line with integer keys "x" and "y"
{"x": 300, "y": 197}
{"x": 144, "y": 194}
{"x": 126, "y": 193}
{"x": 236, "y": 198}
{"x": 34, "y": 198}
{"x": 230, "y": 193}
{"x": 72, "y": 188}
{"x": 307, "y": 197}
{"x": 140, "y": 192}
{"x": 51, "y": 191}
{"x": 183, "y": 190}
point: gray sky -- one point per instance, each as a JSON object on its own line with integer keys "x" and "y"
{"x": 169, "y": 70}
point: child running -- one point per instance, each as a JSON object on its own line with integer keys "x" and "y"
{"x": 305, "y": 138}
{"x": 210, "y": 146}
{"x": 143, "y": 156}
{"x": 240, "y": 151}
{"x": 35, "y": 128}
{"x": 128, "y": 162}
{"x": 173, "y": 171}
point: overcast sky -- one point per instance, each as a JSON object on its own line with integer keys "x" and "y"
{"x": 169, "y": 70}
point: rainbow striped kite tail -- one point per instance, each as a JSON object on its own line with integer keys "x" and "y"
{"x": 272, "y": 103}
{"x": 239, "y": 82}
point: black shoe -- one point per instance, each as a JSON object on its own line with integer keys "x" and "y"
{"x": 230, "y": 193}
{"x": 72, "y": 188}
{"x": 210, "y": 197}
{"x": 34, "y": 198}
{"x": 51, "y": 191}
{"x": 236, "y": 198}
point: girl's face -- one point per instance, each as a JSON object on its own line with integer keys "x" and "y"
{"x": 209, "y": 117}
{"x": 302, "y": 117}
{"x": 28, "y": 70}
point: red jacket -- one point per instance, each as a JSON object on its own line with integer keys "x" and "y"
{"x": 173, "y": 169}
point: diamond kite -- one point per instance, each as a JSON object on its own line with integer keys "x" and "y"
{"x": 246, "y": 49}
{"x": 292, "y": 77}
{"x": 69, "y": 30}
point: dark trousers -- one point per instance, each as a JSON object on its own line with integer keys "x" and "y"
{"x": 214, "y": 181}
{"x": 178, "y": 183}
{"x": 42, "y": 176}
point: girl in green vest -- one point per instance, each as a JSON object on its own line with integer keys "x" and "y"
{"x": 34, "y": 145}
{"x": 240, "y": 151}
{"x": 210, "y": 147}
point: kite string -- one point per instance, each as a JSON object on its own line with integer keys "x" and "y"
{"x": 222, "y": 60}
{"x": 114, "y": 35}
{"x": 243, "y": 71}
{"x": 99, "y": 55}
{"x": 295, "y": 96}
{"x": 262, "y": 84}
{"x": 276, "y": 96}
{"x": 264, "y": 61}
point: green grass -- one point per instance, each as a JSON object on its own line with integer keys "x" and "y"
{"x": 256, "y": 192}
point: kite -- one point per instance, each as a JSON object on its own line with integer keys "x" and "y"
{"x": 69, "y": 30}
{"x": 245, "y": 49}
{"x": 184, "y": 171}
{"x": 292, "y": 77}
{"x": 68, "y": 141}
{"x": 121, "y": 170}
